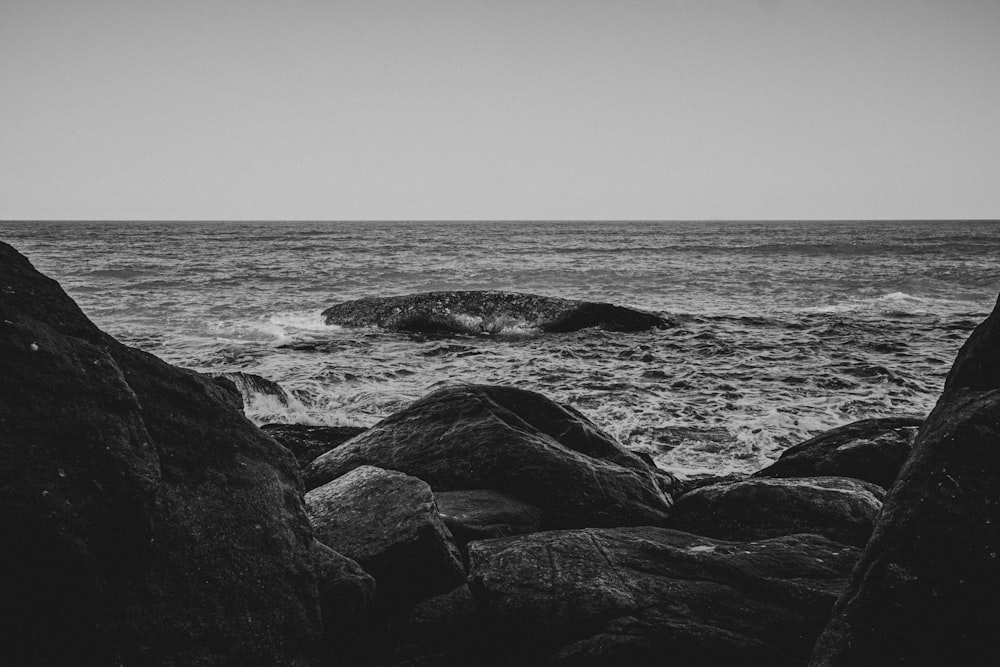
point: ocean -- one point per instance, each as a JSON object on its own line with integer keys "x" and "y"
{"x": 784, "y": 329}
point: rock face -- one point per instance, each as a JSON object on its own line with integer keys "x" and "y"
{"x": 144, "y": 519}
{"x": 308, "y": 442}
{"x": 839, "y": 508}
{"x": 978, "y": 363}
{"x": 926, "y": 588}
{"x": 481, "y": 514}
{"x": 513, "y": 441}
{"x": 388, "y": 522}
{"x": 872, "y": 450}
{"x": 649, "y": 596}
{"x": 484, "y": 312}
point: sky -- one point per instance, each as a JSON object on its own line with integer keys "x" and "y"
{"x": 465, "y": 109}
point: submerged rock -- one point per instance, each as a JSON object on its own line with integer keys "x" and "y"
{"x": 488, "y": 312}
{"x": 516, "y": 442}
{"x": 926, "y": 588}
{"x": 838, "y": 508}
{"x": 144, "y": 519}
{"x": 307, "y": 442}
{"x": 872, "y": 450}
{"x": 252, "y": 387}
{"x": 651, "y": 596}
{"x": 388, "y": 522}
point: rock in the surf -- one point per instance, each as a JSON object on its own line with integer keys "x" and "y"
{"x": 252, "y": 387}
{"x": 145, "y": 520}
{"x": 516, "y": 442}
{"x": 926, "y": 588}
{"x": 481, "y": 514}
{"x": 389, "y": 523}
{"x": 978, "y": 363}
{"x": 307, "y": 442}
{"x": 649, "y": 596}
{"x": 488, "y": 312}
{"x": 839, "y": 508}
{"x": 872, "y": 450}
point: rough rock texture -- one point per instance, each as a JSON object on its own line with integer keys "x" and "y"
{"x": 926, "y": 589}
{"x": 978, "y": 363}
{"x": 479, "y": 312}
{"x": 480, "y": 514}
{"x": 872, "y": 450}
{"x": 143, "y": 519}
{"x": 513, "y": 441}
{"x": 840, "y": 508}
{"x": 308, "y": 442}
{"x": 388, "y": 522}
{"x": 651, "y": 596}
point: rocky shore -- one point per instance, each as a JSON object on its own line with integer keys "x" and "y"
{"x": 146, "y": 521}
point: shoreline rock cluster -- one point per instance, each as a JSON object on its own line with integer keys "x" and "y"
{"x": 146, "y": 521}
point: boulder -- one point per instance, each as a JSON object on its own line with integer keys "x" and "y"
{"x": 388, "y": 522}
{"x": 651, "y": 596}
{"x": 144, "y": 519}
{"x": 347, "y": 602}
{"x": 481, "y": 514}
{"x": 513, "y": 441}
{"x": 443, "y": 630}
{"x": 252, "y": 387}
{"x": 307, "y": 442}
{"x": 926, "y": 589}
{"x": 487, "y": 312}
{"x": 978, "y": 363}
{"x": 872, "y": 450}
{"x": 839, "y": 508}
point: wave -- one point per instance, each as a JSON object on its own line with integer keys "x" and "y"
{"x": 897, "y": 304}
{"x": 488, "y": 312}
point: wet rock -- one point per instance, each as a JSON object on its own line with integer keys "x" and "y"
{"x": 978, "y": 363}
{"x": 839, "y": 508}
{"x": 486, "y": 312}
{"x": 872, "y": 450}
{"x": 307, "y": 442}
{"x": 647, "y": 596}
{"x": 926, "y": 589}
{"x": 513, "y": 441}
{"x": 145, "y": 520}
{"x": 253, "y": 386}
{"x": 480, "y": 514}
{"x": 388, "y": 522}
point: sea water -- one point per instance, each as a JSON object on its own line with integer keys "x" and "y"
{"x": 783, "y": 328}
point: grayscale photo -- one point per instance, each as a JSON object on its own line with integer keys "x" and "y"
{"x": 440, "y": 333}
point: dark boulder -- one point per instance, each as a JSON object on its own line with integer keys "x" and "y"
{"x": 516, "y": 442}
{"x": 926, "y": 589}
{"x": 978, "y": 363}
{"x": 388, "y": 522}
{"x": 487, "y": 312}
{"x": 144, "y": 519}
{"x": 652, "y": 596}
{"x": 480, "y": 514}
{"x": 307, "y": 442}
{"x": 872, "y": 450}
{"x": 839, "y": 508}
{"x": 442, "y": 631}
{"x": 347, "y": 602}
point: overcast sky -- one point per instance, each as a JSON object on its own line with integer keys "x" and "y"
{"x": 541, "y": 109}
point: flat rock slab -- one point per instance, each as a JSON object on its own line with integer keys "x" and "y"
{"x": 651, "y": 596}
{"x": 307, "y": 442}
{"x": 487, "y": 312}
{"x": 840, "y": 508}
{"x": 872, "y": 450}
{"x": 480, "y": 514}
{"x": 389, "y": 523}
{"x": 516, "y": 442}
{"x": 927, "y": 587}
